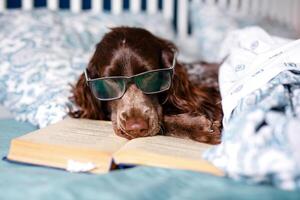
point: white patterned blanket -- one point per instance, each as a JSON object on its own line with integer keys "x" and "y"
{"x": 260, "y": 87}
{"x": 43, "y": 52}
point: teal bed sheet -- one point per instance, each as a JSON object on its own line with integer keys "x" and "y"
{"x": 33, "y": 183}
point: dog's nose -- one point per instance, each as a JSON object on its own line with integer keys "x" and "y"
{"x": 136, "y": 127}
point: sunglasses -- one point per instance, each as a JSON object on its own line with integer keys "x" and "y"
{"x": 114, "y": 87}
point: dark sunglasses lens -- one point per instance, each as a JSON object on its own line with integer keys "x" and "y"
{"x": 154, "y": 81}
{"x": 106, "y": 89}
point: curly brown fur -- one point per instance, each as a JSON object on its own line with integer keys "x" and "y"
{"x": 192, "y": 109}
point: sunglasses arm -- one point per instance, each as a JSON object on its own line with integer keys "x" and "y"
{"x": 86, "y": 77}
{"x": 174, "y": 59}
{"x": 174, "y": 63}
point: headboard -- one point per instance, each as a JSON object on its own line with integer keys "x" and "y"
{"x": 284, "y": 11}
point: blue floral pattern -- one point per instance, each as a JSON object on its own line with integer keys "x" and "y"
{"x": 43, "y": 52}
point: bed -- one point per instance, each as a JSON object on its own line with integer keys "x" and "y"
{"x": 19, "y": 182}
{"x": 180, "y": 20}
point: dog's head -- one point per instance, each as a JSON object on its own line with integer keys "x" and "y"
{"x": 130, "y": 52}
{"x": 125, "y": 52}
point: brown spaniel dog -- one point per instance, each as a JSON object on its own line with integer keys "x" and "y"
{"x": 183, "y": 109}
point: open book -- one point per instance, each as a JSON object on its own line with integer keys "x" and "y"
{"x": 93, "y": 141}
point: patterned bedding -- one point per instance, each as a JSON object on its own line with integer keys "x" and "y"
{"x": 260, "y": 87}
{"x": 43, "y": 52}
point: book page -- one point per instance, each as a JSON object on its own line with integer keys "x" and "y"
{"x": 166, "y": 145}
{"x": 69, "y": 141}
{"x": 165, "y": 151}
{"x": 91, "y": 134}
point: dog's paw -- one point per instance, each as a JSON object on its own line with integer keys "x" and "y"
{"x": 209, "y": 132}
{"x": 207, "y": 137}
{"x": 198, "y": 128}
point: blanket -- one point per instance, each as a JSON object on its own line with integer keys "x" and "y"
{"x": 260, "y": 88}
{"x": 42, "y": 53}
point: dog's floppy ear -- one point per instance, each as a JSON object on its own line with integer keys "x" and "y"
{"x": 89, "y": 106}
{"x": 180, "y": 92}
{"x": 184, "y": 96}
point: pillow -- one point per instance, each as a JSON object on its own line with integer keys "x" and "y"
{"x": 43, "y": 52}
{"x": 211, "y": 24}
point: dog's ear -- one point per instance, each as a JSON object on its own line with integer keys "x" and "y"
{"x": 89, "y": 106}
{"x": 181, "y": 94}
{"x": 184, "y": 96}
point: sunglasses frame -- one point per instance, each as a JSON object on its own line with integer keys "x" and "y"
{"x": 130, "y": 78}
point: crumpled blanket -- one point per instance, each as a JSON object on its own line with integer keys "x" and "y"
{"x": 42, "y": 53}
{"x": 260, "y": 88}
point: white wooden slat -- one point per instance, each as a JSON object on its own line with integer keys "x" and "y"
{"x": 296, "y": 16}
{"x": 97, "y": 6}
{"x": 283, "y": 10}
{"x": 291, "y": 17}
{"x": 117, "y": 6}
{"x": 275, "y": 14}
{"x": 210, "y": 2}
{"x": 260, "y": 7}
{"x": 2, "y": 5}
{"x": 52, "y": 4}
{"x": 27, "y": 4}
{"x": 168, "y": 9}
{"x": 255, "y": 7}
{"x": 245, "y": 7}
{"x": 152, "y": 6}
{"x": 222, "y": 3}
{"x": 265, "y": 8}
{"x": 280, "y": 11}
{"x": 76, "y": 6}
{"x": 293, "y": 12}
{"x": 297, "y": 21}
{"x": 288, "y": 12}
{"x": 272, "y": 9}
{"x": 234, "y": 6}
{"x": 135, "y": 6}
{"x": 182, "y": 18}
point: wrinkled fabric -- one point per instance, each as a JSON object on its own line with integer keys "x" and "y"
{"x": 43, "y": 52}
{"x": 260, "y": 88}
